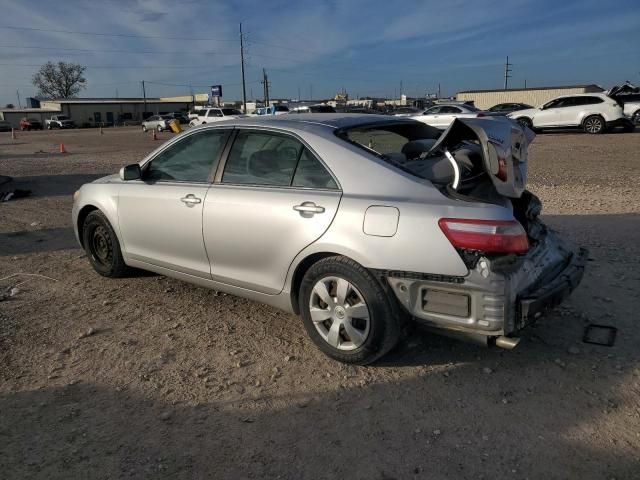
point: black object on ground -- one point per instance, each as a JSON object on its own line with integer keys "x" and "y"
{"x": 600, "y": 335}
{"x": 17, "y": 193}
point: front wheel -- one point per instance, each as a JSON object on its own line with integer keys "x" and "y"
{"x": 144, "y": 128}
{"x": 159, "y": 128}
{"x": 102, "y": 246}
{"x": 346, "y": 312}
{"x": 525, "y": 122}
{"x": 594, "y": 124}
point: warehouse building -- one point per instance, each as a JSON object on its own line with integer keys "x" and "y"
{"x": 93, "y": 112}
{"x": 531, "y": 96}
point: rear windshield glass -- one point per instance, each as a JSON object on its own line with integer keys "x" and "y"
{"x": 397, "y": 143}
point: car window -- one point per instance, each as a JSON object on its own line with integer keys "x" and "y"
{"x": 191, "y": 159}
{"x": 311, "y": 173}
{"x": 433, "y": 110}
{"x": 260, "y": 158}
{"x": 450, "y": 110}
{"x": 214, "y": 113}
{"x": 591, "y": 100}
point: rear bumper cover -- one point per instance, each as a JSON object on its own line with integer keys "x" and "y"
{"x": 500, "y": 297}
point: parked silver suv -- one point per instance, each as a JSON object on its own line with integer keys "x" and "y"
{"x": 355, "y": 222}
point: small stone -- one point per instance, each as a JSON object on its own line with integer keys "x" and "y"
{"x": 247, "y": 420}
{"x": 89, "y": 332}
{"x": 288, "y": 358}
{"x": 505, "y": 401}
{"x": 437, "y": 432}
{"x": 573, "y": 350}
{"x": 560, "y": 363}
{"x": 164, "y": 416}
{"x": 487, "y": 371}
{"x": 417, "y": 430}
{"x": 105, "y": 303}
{"x": 35, "y": 224}
{"x": 445, "y": 374}
{"x": 257, "y": 383}
{"x": 14, "y": 291}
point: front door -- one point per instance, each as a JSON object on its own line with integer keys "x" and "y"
{"x": 160, "y": 216}
{"x": 274, "y": 198}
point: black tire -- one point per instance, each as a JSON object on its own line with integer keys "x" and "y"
{"x": 144, "y": 128}
{"x": 49, "y": 127}
{"x": 594, "y": 125}
{"x": 384, "y": 318}
{"x": 635, "y": 118}
{"x": 525, "y": 122}
{"x": 102, "y": 246}
{"x": 159, "y": 128}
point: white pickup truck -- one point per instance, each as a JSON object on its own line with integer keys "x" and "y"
{"x": 59, "y": 121}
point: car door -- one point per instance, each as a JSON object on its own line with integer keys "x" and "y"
{"x": 447, "y": 115}
{"x": 160, "y": 216}
{"x": 272, "y": 199}
{"x": 430, "y": 116}
{"x": 551, "y": 113}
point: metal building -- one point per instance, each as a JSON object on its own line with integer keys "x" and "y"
{"x": 532, "y": 96}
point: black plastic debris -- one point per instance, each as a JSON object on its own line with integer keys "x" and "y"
{"x": 600, "y": 335}
{"x": 13, "y": 194}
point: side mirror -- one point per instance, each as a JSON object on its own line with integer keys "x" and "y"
{"x": 130, "y": 172}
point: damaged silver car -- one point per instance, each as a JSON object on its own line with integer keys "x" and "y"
{"x": 355, "y": 222}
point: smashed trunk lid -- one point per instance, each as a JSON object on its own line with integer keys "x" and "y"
{"x": 502, "y": 145}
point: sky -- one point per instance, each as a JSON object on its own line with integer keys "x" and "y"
{"x": 317, "y": 48}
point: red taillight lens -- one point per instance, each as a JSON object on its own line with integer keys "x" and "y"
{"x": 491, "y": 236}
{"x": 502, "y": 169}
{"x": 480, "y": 114}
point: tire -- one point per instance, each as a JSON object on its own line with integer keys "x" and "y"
{"x": 159, "y": 128}
{"x": 635, "y": 118}
{"x": 340, "y": 335}
{"x": 628, "y": 127}
{"x": 525, "y": 122}
{"x": 144, "y": 128}
{"x": 594, "y": 124}
{"x": 102, "y": 247}
{"x": 49, "y": 127}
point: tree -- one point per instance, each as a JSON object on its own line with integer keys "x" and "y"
{"x": 61, "y": 80}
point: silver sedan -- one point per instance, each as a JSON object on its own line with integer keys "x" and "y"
{"x": 355, "y": 222}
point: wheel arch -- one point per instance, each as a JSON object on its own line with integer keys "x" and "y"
{"x": 298, "y": 274}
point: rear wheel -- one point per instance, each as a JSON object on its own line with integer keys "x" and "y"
{"x": 102, "y": 247}
{"x": 346, "y": 312}
{"x": 594, "y": 124}
{"x": 159, "y": 128}
{"x": 144, "y": 128}
{"x": 636, "y": 117}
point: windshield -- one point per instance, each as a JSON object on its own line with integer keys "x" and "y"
{"x": 281, "y": 108}
{"x": 397, "y": 143}
{"x": 63, "y": 117}
{"x": 471, "y": 108}
{"x": 231, "y": 111}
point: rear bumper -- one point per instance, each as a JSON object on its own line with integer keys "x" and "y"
{"x": 620, "y": 122}
{"x": 499, "y": 296}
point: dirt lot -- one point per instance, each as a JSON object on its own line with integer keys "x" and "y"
{"x": 148, "y": 377}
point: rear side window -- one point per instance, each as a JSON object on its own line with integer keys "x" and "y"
{"x": 191, "y": 159}
{"x": 310, "y": 173}
{"x": 590, "y": 100}
{"x": 264, "y": 158}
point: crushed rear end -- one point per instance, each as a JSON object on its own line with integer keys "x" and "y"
{"x": 518, "y": 269}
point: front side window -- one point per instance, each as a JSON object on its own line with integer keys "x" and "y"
{"x": 433, "y": 110}
{"x": 214, "y": 113}
{"x": 191, "y": 159}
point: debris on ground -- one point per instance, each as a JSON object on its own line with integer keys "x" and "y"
{"x": 14, "y": 194}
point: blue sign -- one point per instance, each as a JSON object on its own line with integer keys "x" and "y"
{"x": 216, "y": 90}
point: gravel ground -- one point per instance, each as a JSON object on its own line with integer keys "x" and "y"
{"x": 148, "y": 377}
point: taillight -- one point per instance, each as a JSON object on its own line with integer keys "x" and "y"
{"x": 502, "y": 169}
{"x": 491, "y": 236}
{"x": 480, "y": 115}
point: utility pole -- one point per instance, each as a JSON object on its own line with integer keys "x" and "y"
{"x": 525, "y": 83}
{"x": 438, "y": 90}
{"x": 18, "y": 93}
{"x": 244, "y": 87}
{"x": 311, "y": 91}
{"x": 400, "y": 89}
{"x": 265, "y": 83}
{"x": 144, "y": 94}
{"x": 507, "y": 70}
{"x": 298, "y": 92}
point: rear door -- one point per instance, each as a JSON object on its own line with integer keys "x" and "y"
{"x": 160, "y": 216}
{"x": 272, "y": 199}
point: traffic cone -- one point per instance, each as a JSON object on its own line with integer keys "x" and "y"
{"x": 154, "y": 136}
{"x": 13, "y": 134}
{"x": 62, "y": 150}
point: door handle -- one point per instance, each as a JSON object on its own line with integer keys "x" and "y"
{"x": 308, "y": 208}
{"x": 190, "y": 200}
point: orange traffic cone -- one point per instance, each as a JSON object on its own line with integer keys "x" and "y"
{"x": 13, "y": 134}
{"x": 62, "y": 150}
{"x": 155, "y": 137}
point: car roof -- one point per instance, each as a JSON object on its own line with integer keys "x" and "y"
{"x": 598, "y": 94}
{"x": 314, "y": 121}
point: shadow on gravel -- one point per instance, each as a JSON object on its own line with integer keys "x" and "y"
{"x": 397, "y": 430}
{"x": 52, "y": 185}
{"x": 36, "y": 241}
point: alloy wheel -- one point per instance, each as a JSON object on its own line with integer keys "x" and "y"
{"x": 593, "y": 125}
{"x": 339, "y": 313}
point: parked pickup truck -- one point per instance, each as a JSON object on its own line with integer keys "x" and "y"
{"x": 59, "y": 121}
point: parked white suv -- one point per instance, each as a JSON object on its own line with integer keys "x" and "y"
{"x": 211, "y": 115}
{"x": 593, "y": 112}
